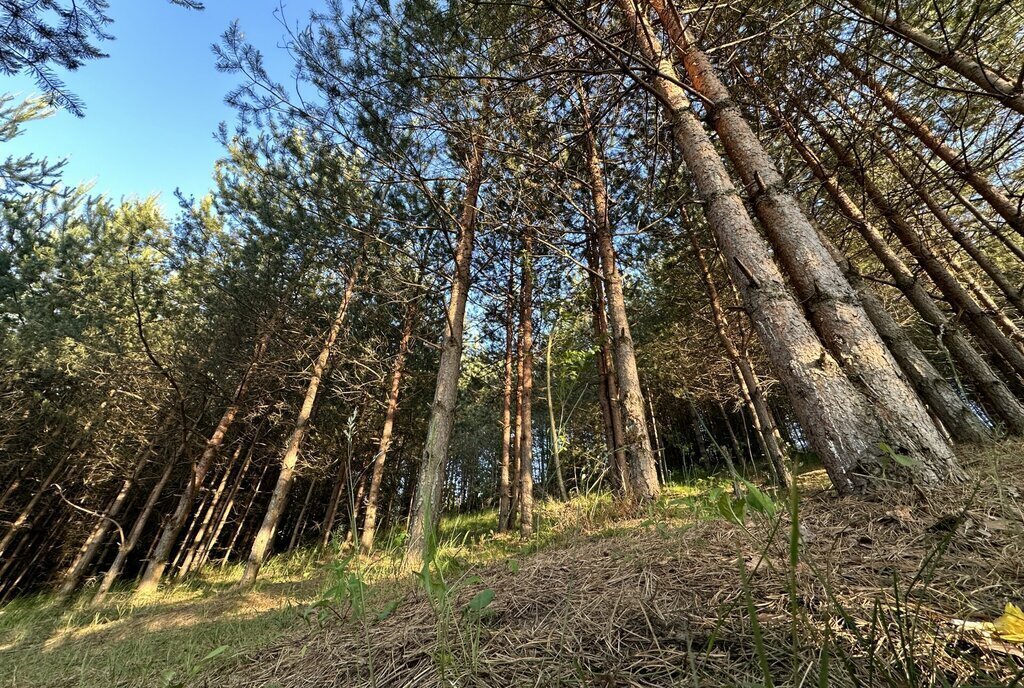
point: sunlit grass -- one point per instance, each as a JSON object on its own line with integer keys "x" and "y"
{"x": 159, "y": 639}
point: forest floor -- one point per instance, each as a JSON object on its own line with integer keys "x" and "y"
{"x": 895, "y": 590}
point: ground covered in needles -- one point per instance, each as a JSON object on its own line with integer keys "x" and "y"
{"x": 895, "y": 590}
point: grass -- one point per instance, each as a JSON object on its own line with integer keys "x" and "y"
{"x": 167, "y": 638}
{"x": 768, "y": 589}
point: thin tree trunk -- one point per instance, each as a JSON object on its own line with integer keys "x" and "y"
{"x": 642, "y": 473}
{"x": 229, "y": 503}
{"x": 607, "y": 388}
{"x": 517, "y": 431}
{"x": 956, "y": 161}
{"x": 840, "y": 423}
{"x": 504, "y": 476}
{"x": 279, "y": 498}
{"x": 750, "y": 385}
{"x": 835, "y": 309}
{"x": 139, "y": 526}
{"x": 551, "y": 416}
{"x": 526, "y": 407}
{"x": 91, "y": 547}
{"x": 335, "y": 502}
{"x": 29, "y": 508}
{"x": 983, "y": 326}
{"x": 427, "y": 502}
{"x": 971, "y": 68}
{"x": 199, "y": 542}
{"x": 386, "y": 434}
{"x": 172, "y": 528}
{"x": 301, "y": 520}
{"x": 244, "y": 517}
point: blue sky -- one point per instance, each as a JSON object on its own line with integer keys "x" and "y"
{"x": 153, "y": 106}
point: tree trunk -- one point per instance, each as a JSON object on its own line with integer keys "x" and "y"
{"x": 91, "y": 547}
{"x": 28, "y": 509}
{"x": 956, "y": 161}
{"x": 643, "y": 473}
{"x": 279, "y": 499}
{"x": 972, "y": 69}
{"x": 980, "y": 324}
{"x": 199, "y": 542}
{"x": 526, "y": 407}
{"x": 839, "y": 421}
{"x": 172, "y": 528}
{"x": 504, "y": 477}
{"x": 397, "y": 369}
{"x": 244, "y": 517}
{"x": 139, "y": 526}
{"x": 229, "y": 503}
{"x": 835, "y": 309}
{"x": 962, "y": 423}
{"x": 555, "y": 451}
{"x": 750, "y": 385}
{"x": 608, "y": 390}
{"x": 301, "y": 520}
{"x": 427, "y": 503}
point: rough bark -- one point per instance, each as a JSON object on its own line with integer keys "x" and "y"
{"x": 643, "y": 472}
{"x": 526, "y": 406}
{"x": 838, "y": 419}
{"x": 608, "y": 393}
{"x": 833, "y": 304}
{"x": 983, "y": 326}
{"x": 750, "y": 385}
{"x": 961, "y": 422}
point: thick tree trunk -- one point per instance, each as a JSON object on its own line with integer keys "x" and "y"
{"x": 835, "y": 309}
{"x": 971, "y": 68}
{"x": 386, "y": 434}
{"x": 840, "y": 422}
{"x": 504, "y": 476}
{"x": 956, "y": 161}
{"x": 526, "y": 407}
{"x": 979, "y": 322}
{"x": 426, "y": 512}
{"x": 961, "y": 422}
{"x": 643, "y": 472}
{"x": 264, "y": 537}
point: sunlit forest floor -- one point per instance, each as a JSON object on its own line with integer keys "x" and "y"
{"x": 704, "y": 589}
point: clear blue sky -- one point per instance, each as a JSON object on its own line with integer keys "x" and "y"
{"x": 153, "y": 106}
